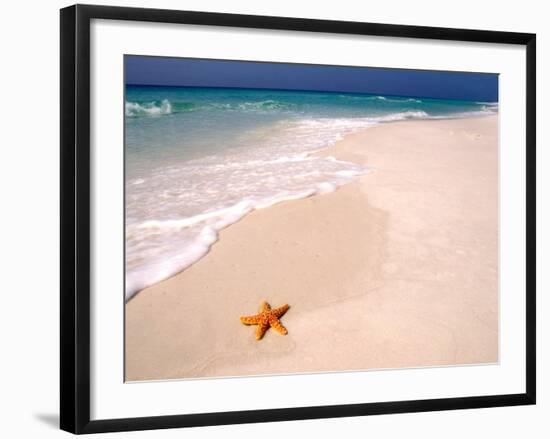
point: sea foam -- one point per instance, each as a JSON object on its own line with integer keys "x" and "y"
{"x": 133, "y": 109}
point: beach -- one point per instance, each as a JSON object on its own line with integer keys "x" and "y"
{"x": 396, "y": 269}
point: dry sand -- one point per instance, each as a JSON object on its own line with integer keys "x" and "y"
{"x": 396, "y": 270}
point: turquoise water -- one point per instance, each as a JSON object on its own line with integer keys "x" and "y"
{"x": 199, "y": 159}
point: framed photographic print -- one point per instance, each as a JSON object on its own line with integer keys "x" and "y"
{"x": 273, "y": 218}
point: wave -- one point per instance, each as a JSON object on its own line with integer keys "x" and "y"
{"x": 401, "y": 100}
{"x": 134, "y": 109}
{"x": 207, "y": 227}
{"x": 268, "y": 104}
{"x": 164, "y": 107}
{"x": 265, "y": 105}
{"x": 366, "y": 98}
{"x": 491, "y": 107}
{"x": 414, "y": 114}
{"x": 411, "y": 115}
{"x": 465, "y": 114}
{"x": 403, "y": 115}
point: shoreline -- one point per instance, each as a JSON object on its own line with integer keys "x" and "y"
{"x": 339, "y": 253}
{"x": 324, "y": 152}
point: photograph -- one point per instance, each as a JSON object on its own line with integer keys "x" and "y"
{"x": 285, "y": 218}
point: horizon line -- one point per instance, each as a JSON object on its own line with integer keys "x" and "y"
{"x": 307, "y": 91}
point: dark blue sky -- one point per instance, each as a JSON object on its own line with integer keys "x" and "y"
{"x": 146, "y": 70}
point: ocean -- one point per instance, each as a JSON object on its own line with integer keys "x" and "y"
{"x": 200, "y": 159}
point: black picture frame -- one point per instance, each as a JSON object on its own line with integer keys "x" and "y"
{"x": 75, "y": 217}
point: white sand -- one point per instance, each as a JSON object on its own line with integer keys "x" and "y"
{"x": 396, "y": 270}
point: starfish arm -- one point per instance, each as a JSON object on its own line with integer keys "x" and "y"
{"x": 279, "y": 312}
{"x": 260, "y": 330}
{"x": 250, "y": 320}
{"x": 276, "y": 324}
{"x": 265, "y": 307}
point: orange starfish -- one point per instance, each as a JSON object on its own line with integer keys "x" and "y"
{"x": 267, "y": 318}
